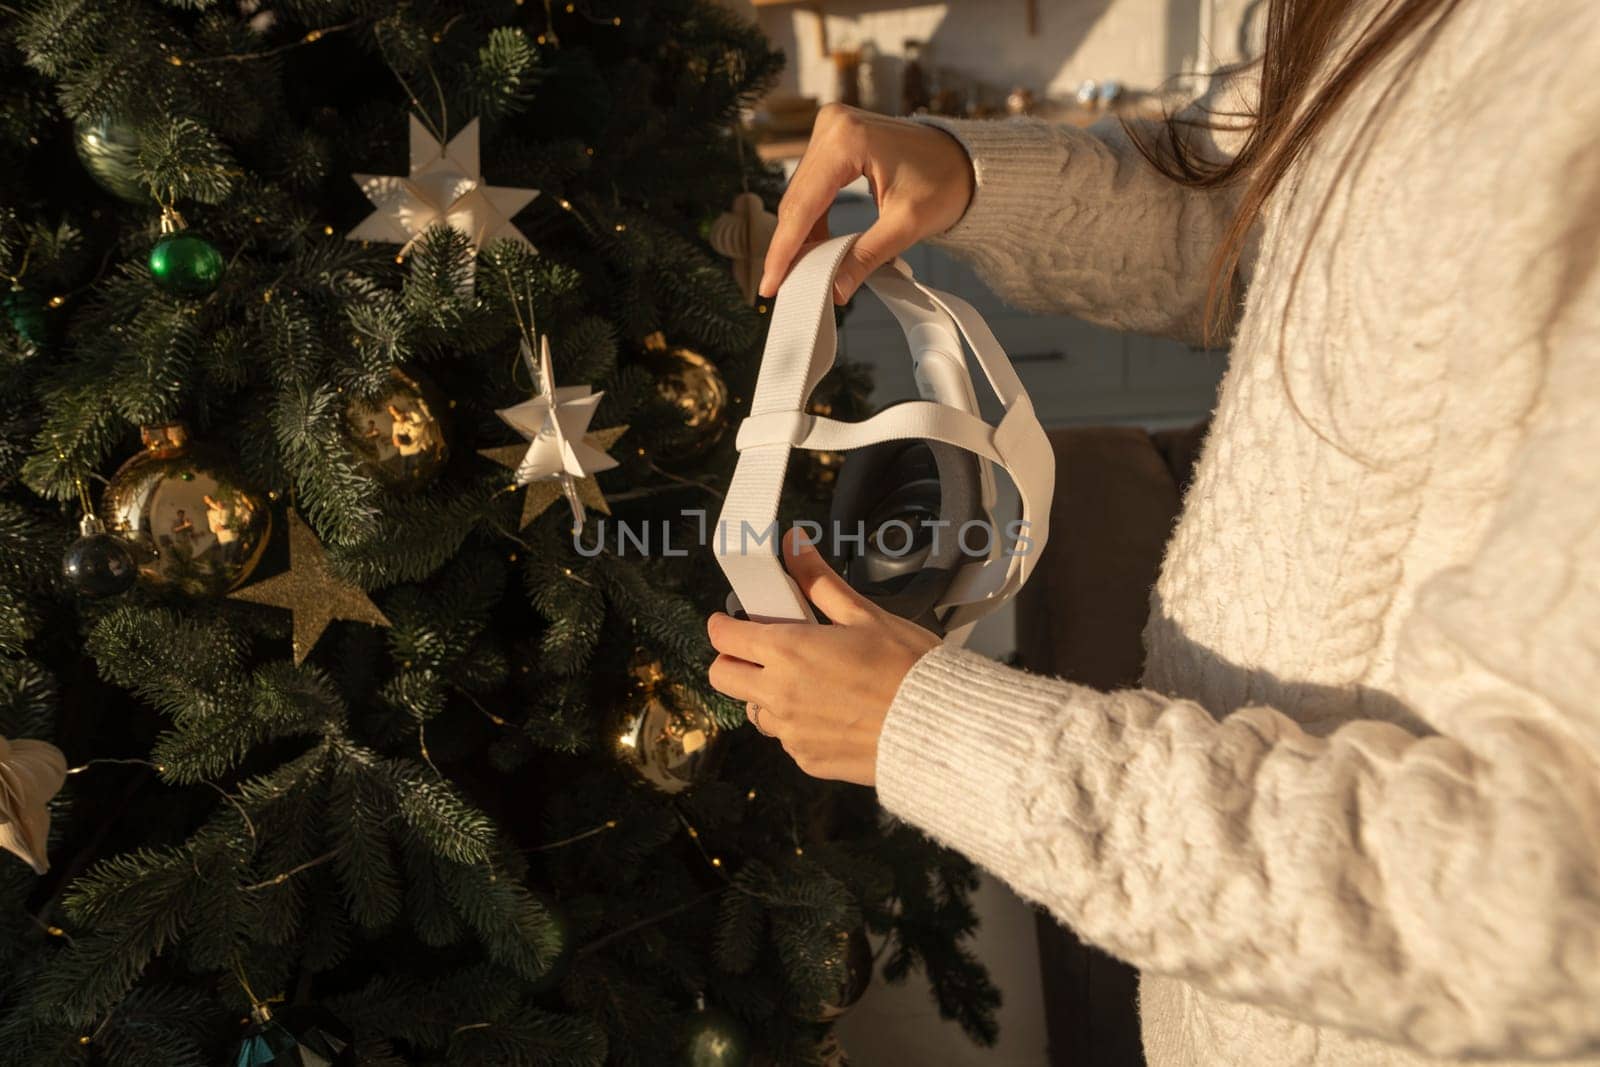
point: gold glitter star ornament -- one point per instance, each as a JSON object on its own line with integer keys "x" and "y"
{"x": 312, "y": 591}
{"x": 446, "y": 187}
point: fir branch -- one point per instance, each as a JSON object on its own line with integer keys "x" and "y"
{"x": 28, "y": 699}
{"x": 438, "y": 816}
{"x": 516, "y": 929}
{"x": 501, "y": 84}
{"x": 359, "y": 809}
{"x": 137, "y": 905}
{"x": 182, "y": 160}
{"x": 531, "y": 1038}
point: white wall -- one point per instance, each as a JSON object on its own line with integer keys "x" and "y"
{"x": 1138, "y": 42}
{"x": 1233, "y": 30}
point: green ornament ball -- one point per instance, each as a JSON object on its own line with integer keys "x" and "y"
{"x": 26, "y": 312}
{"x": 716, "y": 1039}
{"x": 186, "y": 264}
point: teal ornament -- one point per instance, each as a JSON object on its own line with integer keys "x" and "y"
{"x": 296, "y": 1035}
{"x": 26, "y": 312}
{"x": 109, "y": 151}
{"x": 715, "y": 1039}
{"x": 186, "y": 264}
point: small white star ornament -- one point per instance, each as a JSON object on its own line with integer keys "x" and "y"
{"x": 445, "y": 186}
{"x": 31, "y": 772}
{"x": 561, "y": 452}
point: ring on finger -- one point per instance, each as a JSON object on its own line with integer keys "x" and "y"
{"x": 754, "y": 711}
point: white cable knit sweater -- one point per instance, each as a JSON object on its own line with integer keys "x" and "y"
{"x": 1353, "y": 818}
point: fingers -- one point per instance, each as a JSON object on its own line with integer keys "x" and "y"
{"x": 820, "y": 584}
{"x": 766, "y": 720}
{"x": 801, "y": 214}
{"x": 749, "y": 641}
{"x": 818, "y": 234}
{"x": 736, "y": 678}
{"x": 892, "y": 234}
{"x": 830, "y": 163}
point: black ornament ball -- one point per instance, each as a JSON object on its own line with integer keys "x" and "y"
{"x": 296, "y": 1035}
{"x": 851, "y": 963}
{"x": 109, "y": 151}
{"x": 98, "y": 564}
{"x": 714, "y": 1038}
{"x": 186, "y": 264}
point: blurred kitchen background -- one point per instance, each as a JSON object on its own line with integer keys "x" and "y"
{"x": 1070, "y": 61}
{"x": 974, "y": 54}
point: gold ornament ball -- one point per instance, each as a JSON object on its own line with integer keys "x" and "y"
{"x": 192, "y": 525}
{"x": 851, "y": 959}
{"x": 662, "y": 732}
{"x": 693, "y": 385}
{"x": 715, "y": 1038}
{"x": 396, "y": 433}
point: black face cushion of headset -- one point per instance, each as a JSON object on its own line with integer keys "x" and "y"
{"x": 912, "y": 480}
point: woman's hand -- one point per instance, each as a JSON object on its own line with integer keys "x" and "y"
{"x": 823, "y": 691}
{"x": 919, "y": 175}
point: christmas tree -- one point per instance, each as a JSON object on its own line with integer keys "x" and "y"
{"x": 321, "y": 735}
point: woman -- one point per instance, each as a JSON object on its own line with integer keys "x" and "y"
{"x": 1353, "y": 817}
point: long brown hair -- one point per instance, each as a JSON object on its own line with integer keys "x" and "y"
{"x": 1296, "y": 100}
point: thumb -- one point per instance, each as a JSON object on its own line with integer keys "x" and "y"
{"x": 883, "y": 240}
{"x": 820, "y": 583}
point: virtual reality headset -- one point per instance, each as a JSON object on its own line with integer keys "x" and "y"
{"x": 912, "y": 522}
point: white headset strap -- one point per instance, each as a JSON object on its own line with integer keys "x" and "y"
{"x": 800, "y": 350}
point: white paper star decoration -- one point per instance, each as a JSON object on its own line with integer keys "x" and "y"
{"x": 445, "y": 186}
{"x": 31, "y": 772}
{"x": 561, "y": 451}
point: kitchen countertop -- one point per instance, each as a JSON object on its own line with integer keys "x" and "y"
{"x": 1139, "y": 105}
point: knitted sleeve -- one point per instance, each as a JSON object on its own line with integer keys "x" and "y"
{"x": 1438, "y": 890}
{"x": 1076, "y": 220}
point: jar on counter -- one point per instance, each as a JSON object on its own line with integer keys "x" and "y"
{"x": 914, "y": 93}
{"x": 869, "y": 79}
{"x": 847, "y": 76}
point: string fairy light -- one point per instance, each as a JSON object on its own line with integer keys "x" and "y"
{"x": 284, "y": 876}
{"x": 714, "y": 862}
{"x": 594, "y": 831}
{"x": 309, "y": 37}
